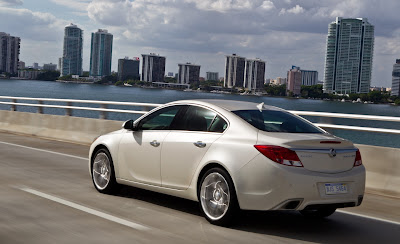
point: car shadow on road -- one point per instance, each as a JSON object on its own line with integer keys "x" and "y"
{"x": 338, "y": 228}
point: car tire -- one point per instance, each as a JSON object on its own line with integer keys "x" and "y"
{"x": 102, "y": 171}
{"x": 217, "y": 197}
{"x": 318, "y": 213}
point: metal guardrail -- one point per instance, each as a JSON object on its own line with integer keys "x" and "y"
{"x": 145, "y": 108}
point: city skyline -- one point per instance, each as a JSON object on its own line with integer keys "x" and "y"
{"x": 282, "y": 33}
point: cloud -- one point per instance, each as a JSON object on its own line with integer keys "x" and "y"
{"x": 8, "y": 3}
{"x": 79, "y": 5}
{"x": 30, "y": 24}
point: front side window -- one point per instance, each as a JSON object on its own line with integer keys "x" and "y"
{"x": 160, "y": 120}
{"x": 277, "y": 121}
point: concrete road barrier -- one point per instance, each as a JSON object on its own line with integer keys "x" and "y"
{"x": 383, "y": 169}
{"x": 56, "y": 127}
{"x": 382, "y": 163}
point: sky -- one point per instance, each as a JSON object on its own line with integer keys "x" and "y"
{"x": 281, "y": 32}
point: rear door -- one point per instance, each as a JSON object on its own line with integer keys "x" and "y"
{"x": 186, "y": 144}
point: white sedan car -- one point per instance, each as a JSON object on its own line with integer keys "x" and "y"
{"x": 231, "y": 155}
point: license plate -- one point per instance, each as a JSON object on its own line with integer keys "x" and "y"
{"x": 335, "y": 188}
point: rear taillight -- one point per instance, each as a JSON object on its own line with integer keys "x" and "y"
{"x": 358, "y": 160}
{"x": 280, "y": 155}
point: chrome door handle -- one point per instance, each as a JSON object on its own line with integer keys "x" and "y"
{"x": 199, "y": 144}
{"x": 155, "y": 143}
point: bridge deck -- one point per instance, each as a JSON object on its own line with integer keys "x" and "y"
{"x": 47, "y": 197}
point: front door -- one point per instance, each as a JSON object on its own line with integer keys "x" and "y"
{"x": 140, "y": 151}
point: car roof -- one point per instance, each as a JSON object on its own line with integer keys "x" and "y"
{"x": 230, "y": 105}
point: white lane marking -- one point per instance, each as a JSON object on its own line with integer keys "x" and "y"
{"x": 87, "y": 210}
{"x": 369, "y": 217}
{"x": 42, "y": 150}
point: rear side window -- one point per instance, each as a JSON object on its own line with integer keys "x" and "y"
{"x": 277, "y": 121}
{"x": 200, "y": 119}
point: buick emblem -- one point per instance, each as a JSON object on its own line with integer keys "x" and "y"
{"x": 332, "y": 153}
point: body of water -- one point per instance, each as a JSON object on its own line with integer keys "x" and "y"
{"x": 48, "y": 89}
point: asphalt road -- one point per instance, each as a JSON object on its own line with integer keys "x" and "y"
{"x": 46, "y": 196}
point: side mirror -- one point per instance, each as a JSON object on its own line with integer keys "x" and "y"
{"x": 129, "y": 125}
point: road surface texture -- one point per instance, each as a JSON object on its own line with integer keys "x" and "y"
{"x": 46, "y": 196}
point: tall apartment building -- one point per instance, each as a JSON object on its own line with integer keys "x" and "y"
{"x": 188, "y": 73}
{"x": 9, "y": 53}
{"x": 254, "y": 74}
{"x": 71, "y": 63}
{"x": 234, "y": 71}
{"x": 309, "y": 77}
{"x": 214, "y": 76}
{"x": 153, "y": 68}
{"x": 396, "y": 79}
{"x": 349, "y": 54}
{"x": 294, "y": 81}
{"x": 50, "y": 67}
{"x": 128, "y": 69}
{"x": 21, "y": 65}
{"x": 101, "y": 53}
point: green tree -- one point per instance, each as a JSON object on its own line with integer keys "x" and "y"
{"x": 49, "y": 75}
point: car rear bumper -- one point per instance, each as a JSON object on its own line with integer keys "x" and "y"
{"x": 265, "y": 185}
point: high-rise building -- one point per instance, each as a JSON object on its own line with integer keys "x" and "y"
{"x": 349, "y": 54}
{"x": 21, "y": 65}
{"x": 396, "y": 79}
{"x": 101, "y": 53}
{"x": 214, "y": 76}
{"x": 50, "y": 67}
{"x": 188, "y": 73}
{"x": 9, "y": 53}
{"x": 153, "y": 68}
{"x": 72, "y": 52}
{"x": 254, "y": 74}
{"x": 309, "y": 77}
{"x": 128, "y": 69}
{"x": 234, "y": 71}
{"x": 294, "y": 81}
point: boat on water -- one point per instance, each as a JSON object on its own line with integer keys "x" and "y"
{"x": 126, "y": 84}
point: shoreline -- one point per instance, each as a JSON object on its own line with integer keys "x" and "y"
{"x": 205, "y": 91}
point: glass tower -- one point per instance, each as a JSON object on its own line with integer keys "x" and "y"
{"x": 71, "y": 63}
{"x": 349, "y": 54}
{"x": 101, "y": 53}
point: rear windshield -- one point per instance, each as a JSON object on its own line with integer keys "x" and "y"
{"x": 277, "y": 121}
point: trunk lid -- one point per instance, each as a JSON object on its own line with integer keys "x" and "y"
{"x": 323, "y": 153}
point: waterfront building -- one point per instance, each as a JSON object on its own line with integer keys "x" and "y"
{"x": 267, "y": 81}
{"x": 9, "y": 53}
{"x": 170, "y": 74}
{"x": 294, "y": 81}
{"x": 50, "y": 67}
{"x": 71, "y": 63}
{"x": 396, "y": 79}
{"x": 189, "y": 74}
{"x": 309, "y": 77}
{"x": 128, "y": 69}
{"x": 21, "y": 65}
{"x": 280, "y": 81}
{"x": 213, "y": 76}
{"x": 29, "y": 74}
{"x": 254, "y": 74}
{"x": 101, "y": 53}
{"x": 349, "y": 54}
{"x": 35, "y": 65}
{"x": 153, "y": 68}
{"x": 234, "y": 71}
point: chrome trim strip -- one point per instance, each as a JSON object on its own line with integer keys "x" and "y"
{"x": 327, "y": 151}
